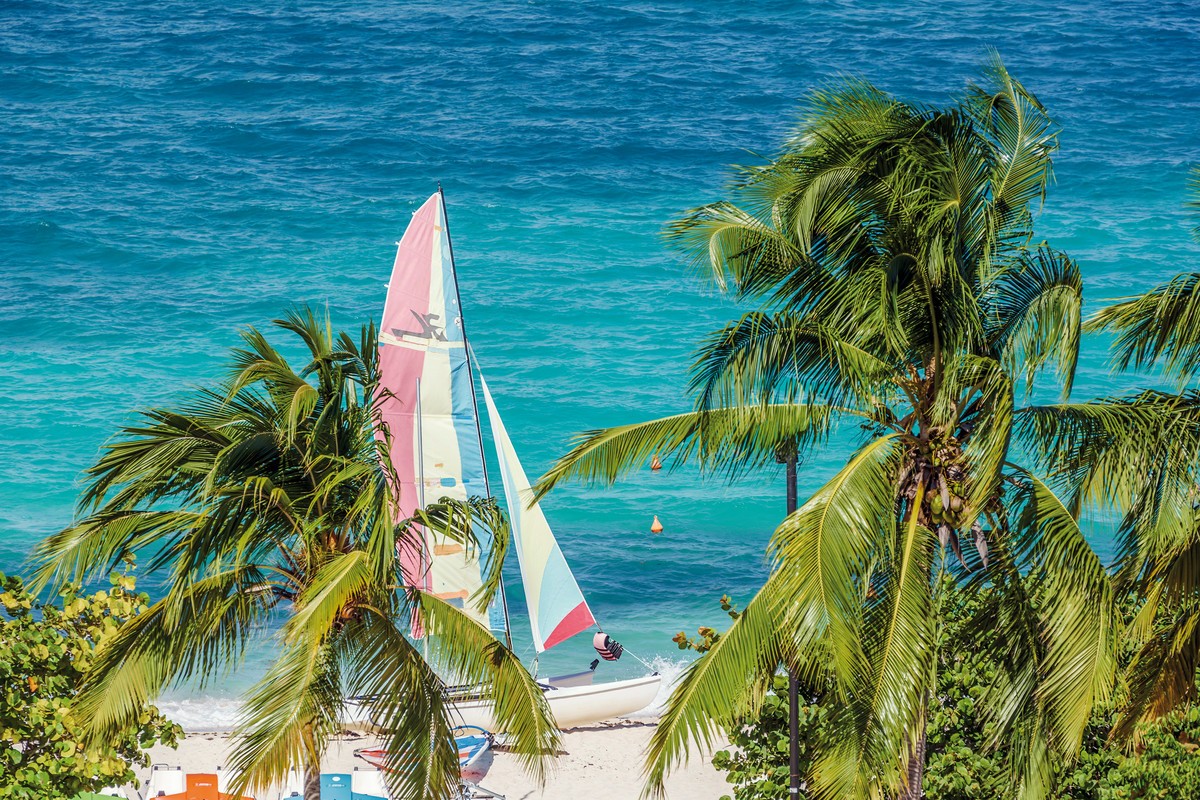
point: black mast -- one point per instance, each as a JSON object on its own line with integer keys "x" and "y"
{"x": 462, "y": 325}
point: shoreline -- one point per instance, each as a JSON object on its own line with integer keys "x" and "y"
{"x": 600, "y": 760}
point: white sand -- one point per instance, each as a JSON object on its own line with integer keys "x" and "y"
{"x": 597, "y": 761}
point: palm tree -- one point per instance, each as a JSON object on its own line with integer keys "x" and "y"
{"x": 1140, "y": 454}
{"x": 890, "y": 246}
{"x": 265, "y": 501}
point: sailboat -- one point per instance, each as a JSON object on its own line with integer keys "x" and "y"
{"x": 430, "y": 407}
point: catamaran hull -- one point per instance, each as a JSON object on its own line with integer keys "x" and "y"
{"x": 577, "y": 705}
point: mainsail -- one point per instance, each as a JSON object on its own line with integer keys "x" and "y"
{"x": 557, "y": 610}
{"x": 435, "y": 443}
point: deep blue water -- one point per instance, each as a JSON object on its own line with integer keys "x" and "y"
{"x": 170, "y": 175}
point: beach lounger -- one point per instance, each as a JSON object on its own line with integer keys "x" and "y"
{"x": 293, "y": 787}
{"x": 196, "y": 786}
{"x": 165, "y": 781}
{"x": 335, "y": 786}
{"x": 366, "y": 783}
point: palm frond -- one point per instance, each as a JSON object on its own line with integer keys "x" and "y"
{"x": 1080, "y": 621}
{"x": 1136, "y": 454}
{"x": 1160, "y": 325}
{"x": 729, "y": 439}
{"x": 289, "y": 714}
{"x": 1162, "y": 675}
{"x": 875, "y": 732}
{"x": 826, "y": 549}
{"x": 197, "y": 634}
{"x": 466, "y": 650}
{"x": 1023, "y": 139}
{"x": 786, "y": 357}
{"x": 740, "y": 252}
{"x": 1036, "y": 307}
{"x": 406, "y": 698}
{"x": 722, "y": 685}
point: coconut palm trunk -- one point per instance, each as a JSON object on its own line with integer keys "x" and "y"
{"x": 312, "y": 765}
{"x": 914, "y": 780}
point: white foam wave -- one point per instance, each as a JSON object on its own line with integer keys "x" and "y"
{"x": 671, "y": 669}
{"x": 202, "y": 713}
{"x": 209, "y": 713}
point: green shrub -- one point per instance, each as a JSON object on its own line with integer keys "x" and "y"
{"x": 44, "y": 653}
{"x": 959, "y": 763}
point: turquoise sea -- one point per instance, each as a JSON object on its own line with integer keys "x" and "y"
{"x": 169, "y": 174}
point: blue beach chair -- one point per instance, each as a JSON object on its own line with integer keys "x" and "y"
{"x": 335, "y": 786}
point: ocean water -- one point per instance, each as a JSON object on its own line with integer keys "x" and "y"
{"x": 172, "y": 174}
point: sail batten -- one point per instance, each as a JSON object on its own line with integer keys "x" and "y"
{"x": 557, "y": 608}
{"x": 435, "y": 447}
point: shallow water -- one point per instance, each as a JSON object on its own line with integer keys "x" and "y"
{"x": 171, "y": 175}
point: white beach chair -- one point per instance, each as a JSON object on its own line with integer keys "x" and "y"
{"x": 165, "y": 780}
{"x": 224, "y": 778}
{"x": 293, "y": 787}
{"x": 368, "y": 781}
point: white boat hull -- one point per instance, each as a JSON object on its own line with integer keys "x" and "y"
{"x": 577, "y": 705}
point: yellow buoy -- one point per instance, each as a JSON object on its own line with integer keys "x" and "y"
{"x": 656, "y": 526}
{"x": 655, "y": 463}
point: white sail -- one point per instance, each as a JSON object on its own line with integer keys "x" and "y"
{"x": 557, "y": 608}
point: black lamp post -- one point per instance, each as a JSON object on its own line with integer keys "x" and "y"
{"x": 787, "y": 455}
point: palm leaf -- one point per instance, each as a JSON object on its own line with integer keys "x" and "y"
{"x": 466, "y": 650}
{"x": 1162, "y": 324}
{"x": 718, "y": 438}
{"x": 725, "y": 683}
{"x": 826, "y": 548}
{"x": 1036, "y": 305}
{"x": 1080, "y": 620}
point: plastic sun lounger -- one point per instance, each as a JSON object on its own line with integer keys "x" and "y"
{"x": 293, "y": 787}
{"x": 336, "y": 786}
{"x": 165, "y": 781}
{"x": 366, "y": 783}
{"x": 197, "y": 786}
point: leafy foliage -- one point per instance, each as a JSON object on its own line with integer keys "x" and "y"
{"x": 45, "y": 652}
{"x": 962, "y": 760}
{"x": 1139, "y": 455}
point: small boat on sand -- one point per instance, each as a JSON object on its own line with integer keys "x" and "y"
{"x": 472, "y": 743}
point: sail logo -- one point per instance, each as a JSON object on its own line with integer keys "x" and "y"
{"x": 429, "y": 330}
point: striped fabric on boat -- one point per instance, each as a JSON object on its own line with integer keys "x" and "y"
{"x": 608, "y": 648}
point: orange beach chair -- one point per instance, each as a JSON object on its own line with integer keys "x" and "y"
{"x": 201, "y": 786}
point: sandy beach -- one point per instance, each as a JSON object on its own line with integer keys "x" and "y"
{"x": 602, "y": 760}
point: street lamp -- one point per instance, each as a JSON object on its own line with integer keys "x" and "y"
{"x": 786, "y": 454}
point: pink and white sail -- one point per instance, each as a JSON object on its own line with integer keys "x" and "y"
{"x": 428, "y": 404}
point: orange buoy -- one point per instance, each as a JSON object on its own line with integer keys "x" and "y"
{"x": 656, "y": 526}
{"x": 655, "y": 463}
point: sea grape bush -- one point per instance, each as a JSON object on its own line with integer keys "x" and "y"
{"x": 44, "y": 651}
{"x": 960, "y": 762}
